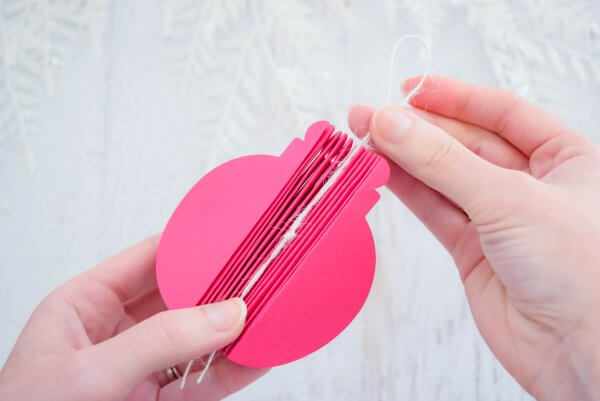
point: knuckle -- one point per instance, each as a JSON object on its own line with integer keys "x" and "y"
{"x": 442, "y": 156}
{"x": 54, "y": 301}
{"x": 514, "y": 102}
{"x": 463, "y": 105}
{"x": 520, "y": 180}
{"x": 160, "y": 328}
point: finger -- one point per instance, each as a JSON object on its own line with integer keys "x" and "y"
{"x": 223, "y": 379}
{"x": 447, "y": 222}
{"x": 359, "y": 118}
{"x": 145, "y": 305}
{"x": 481, "y": 142}
{"x": 166, "y": 339}
{"x": 431, "y": 155}
{"x": 130, "y": 272}
{"x": 522, "y": 124}
{"x": 442, "y": 218}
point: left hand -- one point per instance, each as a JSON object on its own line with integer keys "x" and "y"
{"x": 105, "y": 335}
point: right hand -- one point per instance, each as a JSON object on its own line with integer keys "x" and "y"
{"x": 514, "y": 196}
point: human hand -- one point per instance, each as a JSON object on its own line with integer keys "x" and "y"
{"x": 104, "y": 335}
{"x": 514, "y": 196}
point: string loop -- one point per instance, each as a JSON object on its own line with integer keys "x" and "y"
{"x": 408, "y": 97}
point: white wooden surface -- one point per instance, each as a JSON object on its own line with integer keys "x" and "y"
{"x": 118, "y": 147}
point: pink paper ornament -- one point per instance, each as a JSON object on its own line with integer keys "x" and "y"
{"x": 230, "y": 222}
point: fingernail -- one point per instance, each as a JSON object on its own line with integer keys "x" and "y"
{"x": 225, "y": 315}
{"x": 390, "y": 123}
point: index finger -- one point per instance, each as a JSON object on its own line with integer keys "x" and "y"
{"x": 525, "y": 126}
{"x": 130, "y": 272}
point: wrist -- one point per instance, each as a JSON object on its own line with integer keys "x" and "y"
{"x": 574, "y": 374}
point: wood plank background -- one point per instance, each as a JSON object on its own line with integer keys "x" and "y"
{"x": 118, "y": 147}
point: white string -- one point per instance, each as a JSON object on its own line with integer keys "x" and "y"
{"x": 206, "y": 366}
{"x": 288, "y": 236}
{"x": 292, "y": 231}
{"x": 419, "y": 86}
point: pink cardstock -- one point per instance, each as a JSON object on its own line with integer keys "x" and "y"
{"x": 236, "y": 214}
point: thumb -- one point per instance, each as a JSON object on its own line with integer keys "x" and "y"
{"x": 168, "y": 338}
{"x": 434, "y": 157}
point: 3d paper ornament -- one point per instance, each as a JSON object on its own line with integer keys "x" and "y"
{"x": 231, "y": 221}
